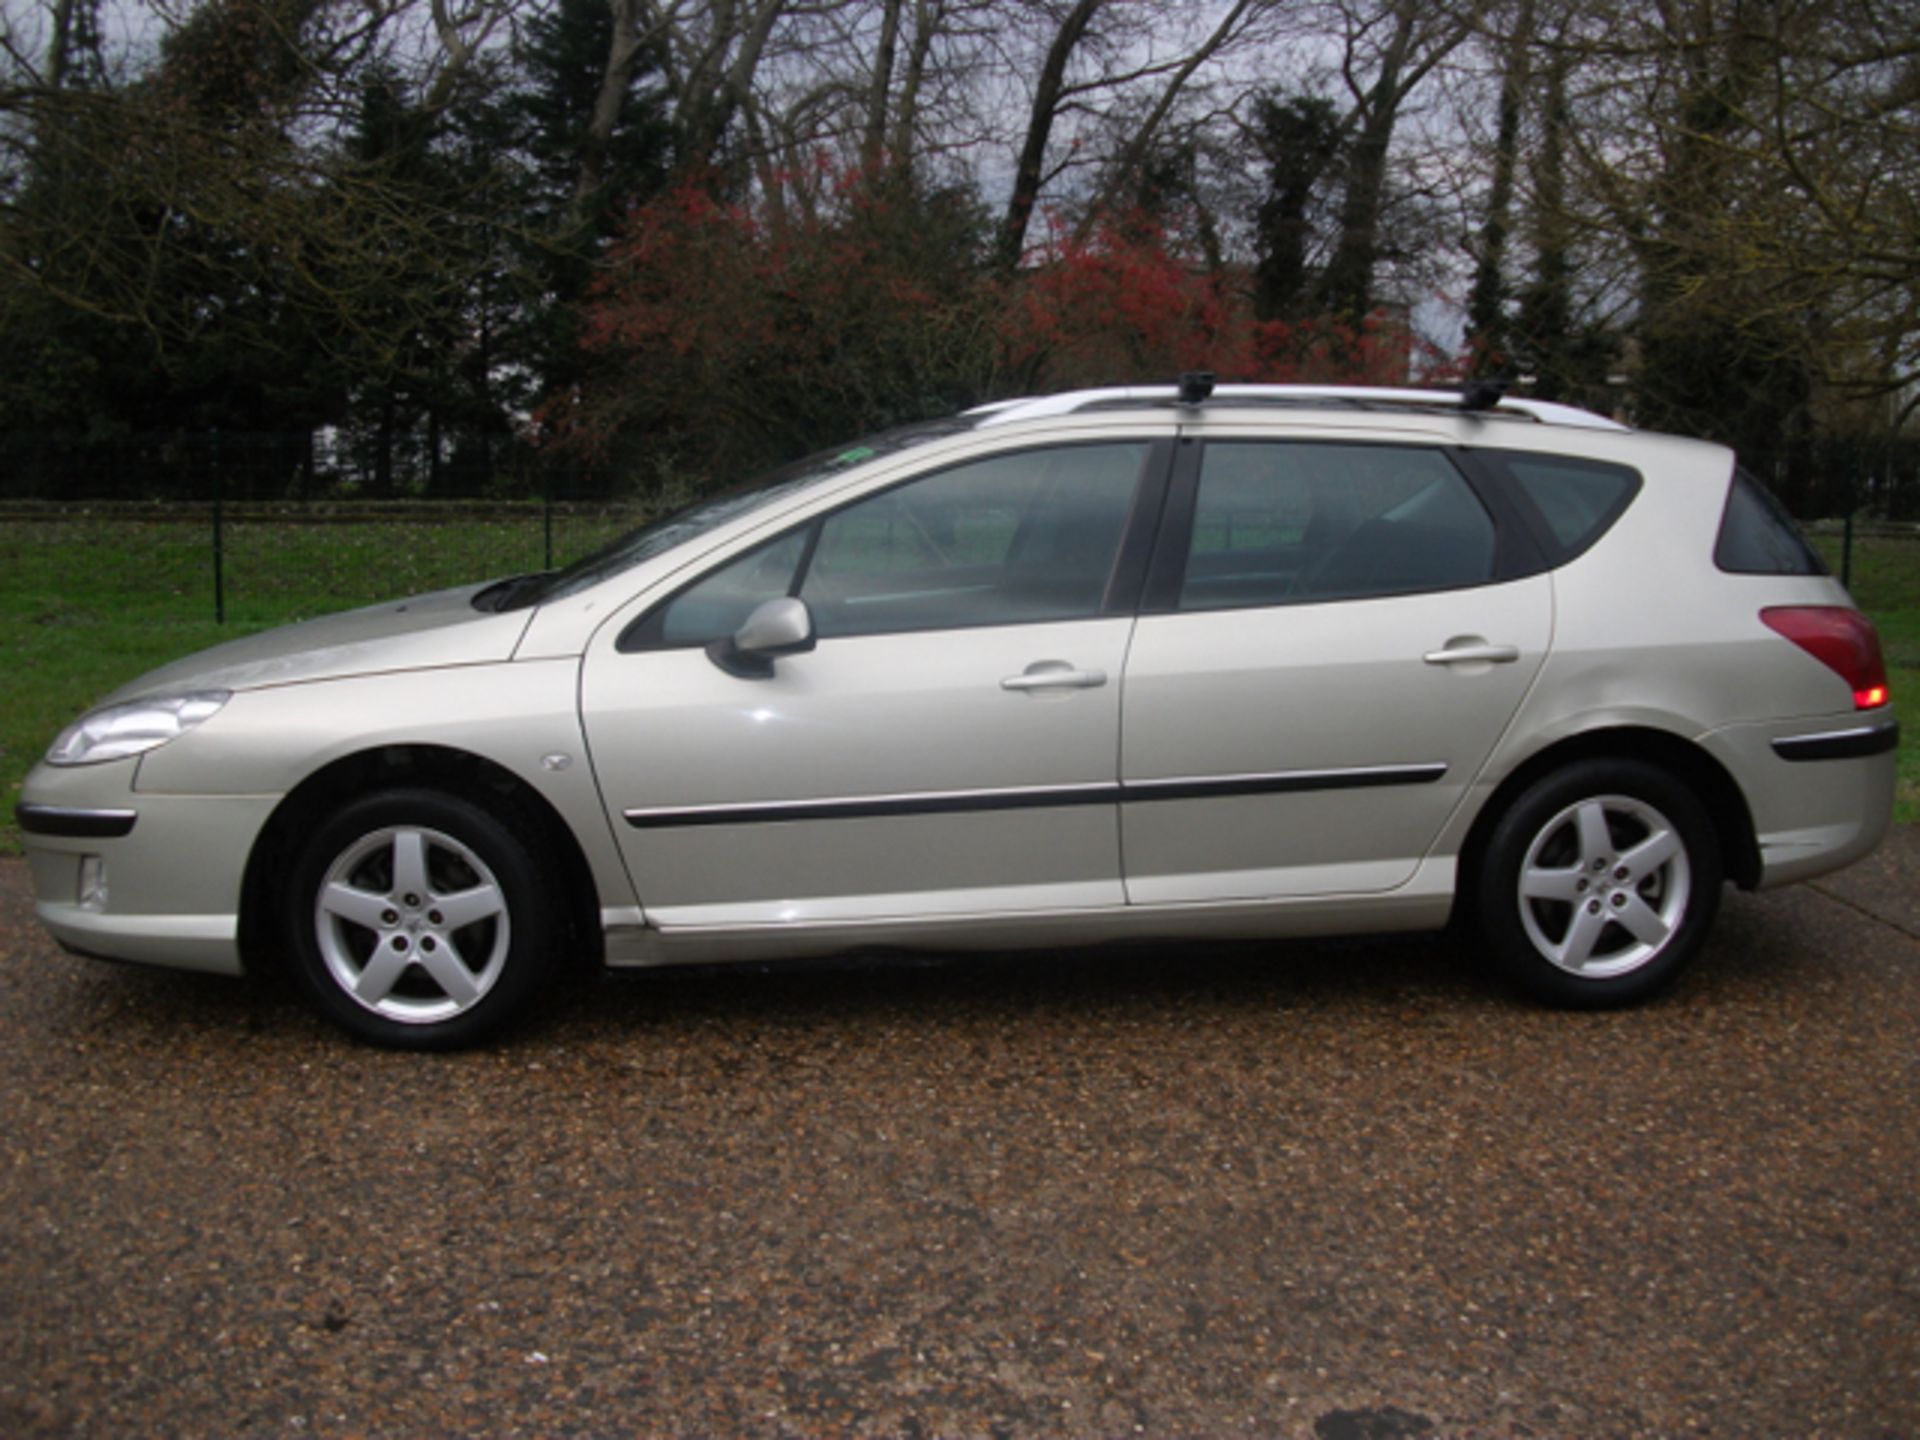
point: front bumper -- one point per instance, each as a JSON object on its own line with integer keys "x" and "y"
{"x": 123, "y": 875}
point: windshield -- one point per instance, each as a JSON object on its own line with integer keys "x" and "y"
{"x": 659, "y": 536}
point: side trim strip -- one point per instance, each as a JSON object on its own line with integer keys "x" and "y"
{"x": 1287, "y": 782}
{"x": 929, "y": 802}
{"x": 1855, "y": 744}
{"x": 951, "y": 802}
{"x": 74, "y": 824}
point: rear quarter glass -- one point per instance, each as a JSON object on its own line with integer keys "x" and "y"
{"x": 1574, "y": 501}
{"x": 1758, "y": 537}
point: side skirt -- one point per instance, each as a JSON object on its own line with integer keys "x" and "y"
{"x": 1424, "y": 903}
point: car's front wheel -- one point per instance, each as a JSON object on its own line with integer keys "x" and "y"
{"x": 418, "y": 920}
{"x": 1600, "y": 881}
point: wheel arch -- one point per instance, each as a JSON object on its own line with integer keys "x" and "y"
{"x": 457, "y": 772}
{"x": 1719, "y": 792}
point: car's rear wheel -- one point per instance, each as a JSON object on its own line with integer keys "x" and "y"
{"x": 418, "y": 920}
{"x": 1600, "y": 881}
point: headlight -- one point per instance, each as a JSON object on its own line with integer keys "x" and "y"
{"x": 133, "y": 728}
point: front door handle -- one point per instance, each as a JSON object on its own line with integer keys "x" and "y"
{"x": 1054, "y": 675}
{"x": 1482, "y": 652}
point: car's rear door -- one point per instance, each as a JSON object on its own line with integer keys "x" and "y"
{"x": 1334, "y": 638}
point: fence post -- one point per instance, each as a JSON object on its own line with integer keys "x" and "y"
{"x": 546, "y": 518}
{"x": 219, "y": 538}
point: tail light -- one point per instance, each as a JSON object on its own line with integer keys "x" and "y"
{"x": 1841, "y": 639}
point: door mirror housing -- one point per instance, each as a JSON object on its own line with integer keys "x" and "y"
{"x": 781, "y": 626}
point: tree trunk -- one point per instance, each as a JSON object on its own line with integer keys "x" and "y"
{"x": 927, "y": 17}
{"x": 1486, "y": 305}
{"x": 873, "y": 149}
{"x": 1347, "y": 287}
{"x": 61, "y": 43}
{"x": 1543, "y": 325}
{"x": 616, "y": 80}
{"x": 1029, "y": 172}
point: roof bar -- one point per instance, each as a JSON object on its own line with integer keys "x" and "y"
{"x": 1547, "y": 412}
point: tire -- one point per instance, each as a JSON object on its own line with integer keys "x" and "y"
{"x": 1599, "y": 882}
{"x": 418, "y": 921}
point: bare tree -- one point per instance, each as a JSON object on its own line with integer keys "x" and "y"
{"x": 1388, "y": 50}
{"x": 711, "y": 53}
{"x": 1050, "y": 92}
{"x": 1107, "y": 56}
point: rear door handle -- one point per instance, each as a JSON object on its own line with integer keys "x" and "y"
{"x": 1464, "y": 654}
{"x": 1054, "y": 675}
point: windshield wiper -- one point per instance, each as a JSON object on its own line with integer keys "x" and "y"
{"x": 509, "y": 594}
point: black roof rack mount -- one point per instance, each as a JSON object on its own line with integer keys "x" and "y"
{"x": 1195, "y": 386}
{"x": 1484, "y": 394}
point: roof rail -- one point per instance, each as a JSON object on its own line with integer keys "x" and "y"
{"x": 1547, "y": 412}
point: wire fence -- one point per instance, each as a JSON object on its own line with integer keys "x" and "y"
{"x": 294, "y": 466}
{"x": 258, "y": 563}
{"x": 261, "y": 528}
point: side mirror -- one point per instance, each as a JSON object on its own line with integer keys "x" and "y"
{"x": 781, "y": 626}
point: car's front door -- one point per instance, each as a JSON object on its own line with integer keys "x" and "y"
{"x": 1336, "y": 638}
{"x": 948, "y": 747}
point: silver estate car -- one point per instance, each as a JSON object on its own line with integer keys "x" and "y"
{"x": 1161, "y": 661}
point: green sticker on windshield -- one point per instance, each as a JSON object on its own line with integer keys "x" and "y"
{"x": 854, "y": 456}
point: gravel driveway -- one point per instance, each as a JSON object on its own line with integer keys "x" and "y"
{"x": 1342, "y": 1190}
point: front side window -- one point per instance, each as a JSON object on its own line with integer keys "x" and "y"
{"x": 721, "y": 603}
{"x": 697, "y": 519}
{"x": 1013, "y": 539}
{"x": 1279, "y": 523}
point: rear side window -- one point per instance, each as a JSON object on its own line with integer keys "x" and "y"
{"x": 1576, "y": 501}
{"x": 1278, "y": 523}
{"x": 1758, "y": 537}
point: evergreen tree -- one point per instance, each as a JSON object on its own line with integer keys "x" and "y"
{"x": 1300, "y": 139}
{"x": 564, "y": 219}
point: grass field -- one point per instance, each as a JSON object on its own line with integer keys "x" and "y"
{"x": 86, "y": 605}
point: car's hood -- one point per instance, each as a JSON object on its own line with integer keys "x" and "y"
{"x": 421, "y": 632}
